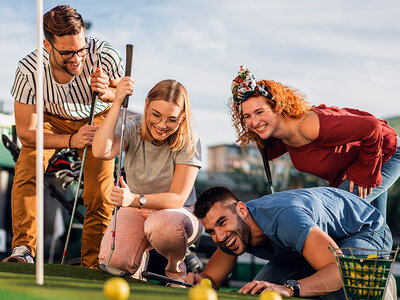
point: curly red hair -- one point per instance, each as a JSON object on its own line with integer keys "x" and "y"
{"x": 290, "y": 101}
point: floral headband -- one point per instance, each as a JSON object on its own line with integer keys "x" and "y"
{"x": 245, "y": 84}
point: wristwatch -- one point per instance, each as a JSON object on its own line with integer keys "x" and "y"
{"x": 294, "y": 286}
{"x": 142, "y": 201}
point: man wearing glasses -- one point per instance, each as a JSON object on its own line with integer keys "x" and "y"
{"x": 74, "y": 67}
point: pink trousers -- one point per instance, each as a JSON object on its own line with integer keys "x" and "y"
{"x": 169, "y": 231}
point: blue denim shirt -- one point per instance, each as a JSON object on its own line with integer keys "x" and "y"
{"x": 287, "y": 217}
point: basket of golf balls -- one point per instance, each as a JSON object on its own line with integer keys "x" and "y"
{"x": 364, "y": 272}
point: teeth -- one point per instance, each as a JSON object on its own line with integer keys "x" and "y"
{"x": 261, "y": 128}
{"x": 160, "y": 131}
{"x": 230, "y": 242}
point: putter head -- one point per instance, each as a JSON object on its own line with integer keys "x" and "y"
{"x": 112, "y": 271}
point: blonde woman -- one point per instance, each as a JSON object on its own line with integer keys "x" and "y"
{"x": 161, "y": 162}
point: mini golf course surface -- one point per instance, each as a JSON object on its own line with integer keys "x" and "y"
{"x": 65, "y": 282}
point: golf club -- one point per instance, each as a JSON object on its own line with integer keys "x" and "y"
{"x": 106, "y": 267}
{"x": 267, "y": 168}
{"x": 92, "y": 110}
{"x": 91, "y": 117}
{"x": 150, "y": 275}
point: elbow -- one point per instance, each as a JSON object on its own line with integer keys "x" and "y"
{"x": 27, "y": 140}
{"x": 101, "y": 150}
{"x": 97, "y": 153}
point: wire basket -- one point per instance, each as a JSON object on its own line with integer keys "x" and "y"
{"x": 364, "y": 272}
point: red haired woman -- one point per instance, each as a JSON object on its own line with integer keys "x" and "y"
{"x": 351, "y": 149}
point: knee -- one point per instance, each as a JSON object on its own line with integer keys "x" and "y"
{"x": 164, "y": 224}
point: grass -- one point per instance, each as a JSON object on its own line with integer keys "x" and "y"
{"x": 64, "y": 282}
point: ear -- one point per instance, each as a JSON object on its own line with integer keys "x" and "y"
{"x": 47, "y": 45}
{"x": 241, "y": 209}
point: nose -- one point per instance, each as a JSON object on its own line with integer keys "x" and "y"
{"x": 75, "y": 58}
{"x": 220, "y": 236}
{"x": 163, "y": 123}
{"x": 255, "y": 120}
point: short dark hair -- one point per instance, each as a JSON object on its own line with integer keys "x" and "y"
{"x": 62, "y": 20}
{"x": 211, "y": 196}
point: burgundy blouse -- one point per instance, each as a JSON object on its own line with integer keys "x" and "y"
{"x": 350, "y": 142}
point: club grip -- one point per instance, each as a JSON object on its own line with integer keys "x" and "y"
{"x": 93, "y": 107}
{"x": 267, "y": 168}
{"x": 128, "y": 68}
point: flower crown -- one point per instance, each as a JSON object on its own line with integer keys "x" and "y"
{"x": 245, "y": 84}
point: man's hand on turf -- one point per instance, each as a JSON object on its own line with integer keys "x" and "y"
{"x": 193, "y": 278}
{"x": 256, "y": 287}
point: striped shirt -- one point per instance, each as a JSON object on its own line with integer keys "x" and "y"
{"x": 71, "y": 100}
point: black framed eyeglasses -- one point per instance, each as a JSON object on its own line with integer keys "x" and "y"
{"x": 70, "y": 54}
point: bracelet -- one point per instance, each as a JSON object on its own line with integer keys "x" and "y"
{"x": 69, "y": 141}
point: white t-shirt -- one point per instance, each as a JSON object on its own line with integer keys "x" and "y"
{"x": 150, "y": 168}
{"x": 71, "y": 100}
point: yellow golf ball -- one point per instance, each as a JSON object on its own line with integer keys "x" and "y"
{"x": 206, "y": 283}
{"x": 201, "y": 293}
{"x": 270, "y": 295}
{"x": 116, "y": 289}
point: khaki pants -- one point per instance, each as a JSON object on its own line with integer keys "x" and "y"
{"x": 98, "y": 180}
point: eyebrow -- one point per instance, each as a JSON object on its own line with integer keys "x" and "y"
{"x": 68, "y": 51}
{"x": 216, "y": 223}
{"x": 156, "y": 111}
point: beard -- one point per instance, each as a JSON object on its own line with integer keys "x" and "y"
{"x": 243, "y": 231}
{"x": 64, "y": 65}
{"x": 65, "y": 68}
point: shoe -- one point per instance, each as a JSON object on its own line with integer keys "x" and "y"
{"x": 193, "y": 262}
{"x": 391, "y": 289}
{"x": 20, "y": 254}
{"x": 142, "y": 267}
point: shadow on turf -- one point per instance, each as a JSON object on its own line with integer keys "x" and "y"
{"x": 62, "y": 271}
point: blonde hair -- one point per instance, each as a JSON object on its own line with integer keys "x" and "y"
{"x": 290, "y": 101}
{"x": 172, "y": 91}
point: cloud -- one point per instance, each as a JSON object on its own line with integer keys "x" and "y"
{"x": 342, "y": 53}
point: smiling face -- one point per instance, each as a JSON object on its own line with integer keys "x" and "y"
{"x": 259, "y": 116}
{"x": 63, "y": 44}
{"x": 226, "y": 227}
{"x": 162, "y": 119}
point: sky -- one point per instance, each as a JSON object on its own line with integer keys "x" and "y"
{"x": 344, "y": 52}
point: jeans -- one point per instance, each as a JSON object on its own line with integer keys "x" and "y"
{"x": 390, "y": 173}
{"x": 278, "y": 272}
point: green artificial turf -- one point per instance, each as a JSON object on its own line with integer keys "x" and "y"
{"x": 64, "y": 282}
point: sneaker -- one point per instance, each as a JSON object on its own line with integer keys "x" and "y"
{"x": 20, "y": 254}
{"x": 142, "y": 267}
{"x": 193, "y": 262}
{"x": 391, "y": 289}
